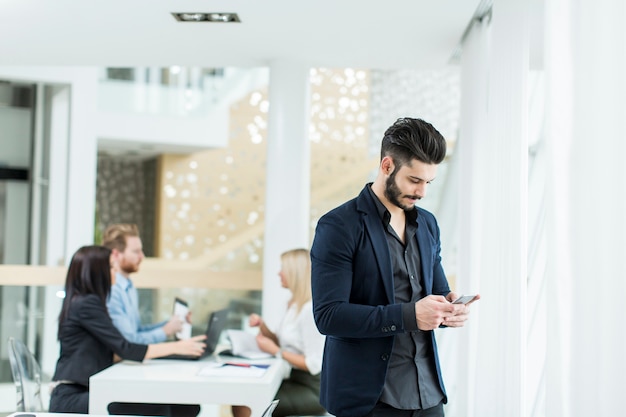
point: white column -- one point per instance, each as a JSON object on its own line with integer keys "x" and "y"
{"x": 141, "y": 75}
{"x": 586, "y": 63}
{"x": 495, "y": 248}
{"x": 153, "y": 95}
{"x": 287, "y": 198}
{"x": 72, "y": 180}
{"x": 59, "y": 107}
{"x": 77, "y": 182}
{"x": 82, "y": 162}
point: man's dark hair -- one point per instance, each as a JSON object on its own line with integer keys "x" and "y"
{"x": 409, "y": 139}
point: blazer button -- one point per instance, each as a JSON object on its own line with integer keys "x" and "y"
{"x": 384, "y": 357}
{"x": 393, "y": 327}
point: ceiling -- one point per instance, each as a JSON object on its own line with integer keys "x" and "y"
{"x": 323, "y": 33}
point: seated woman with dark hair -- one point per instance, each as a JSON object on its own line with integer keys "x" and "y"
{"x": 90, "y": 341}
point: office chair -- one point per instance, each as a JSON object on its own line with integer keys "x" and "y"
{"x": 270, "y": 409}
{"x": 26, "y": 375}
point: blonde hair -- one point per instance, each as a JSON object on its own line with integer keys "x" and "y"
{"x": 296, "y": 267}
{"x": 115, "y": 235}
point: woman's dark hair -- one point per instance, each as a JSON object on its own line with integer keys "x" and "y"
{"x": 89, "y": 273}
{"x": 409, "y": 139}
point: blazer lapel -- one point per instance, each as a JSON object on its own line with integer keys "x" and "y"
{"x": 426, "y": 255}
{"x": 376, "y": 232}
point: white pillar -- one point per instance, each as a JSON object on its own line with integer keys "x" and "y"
{"x": 287, "y": 198}
{"x": 72, "y": 174}
{"x": 152, "y": 99}
{"x": 586, "y": 63}
{"x": 82, "y": 162}
{"x": 60, "y": 105}
{"x": 141, "y": 75}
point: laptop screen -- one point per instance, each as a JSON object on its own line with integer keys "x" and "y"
{"x": 217, "y": 322}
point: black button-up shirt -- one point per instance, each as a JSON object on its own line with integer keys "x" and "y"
{"x": 411, "y": 382}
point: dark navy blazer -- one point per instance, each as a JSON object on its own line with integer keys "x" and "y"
{"x": 353, "y": 300}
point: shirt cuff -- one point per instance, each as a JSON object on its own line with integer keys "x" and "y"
{"x": 408, "y": 317}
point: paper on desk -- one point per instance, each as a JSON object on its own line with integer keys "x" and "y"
{"x": 220, "y": 369}
{"x": 244, "y": 344}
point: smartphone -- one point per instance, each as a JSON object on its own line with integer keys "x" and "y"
{"x": 464, "y": 299}
{"x": 181, "y": 308}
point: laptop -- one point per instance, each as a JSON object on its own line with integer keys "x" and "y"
{"x": 217, "y": 322}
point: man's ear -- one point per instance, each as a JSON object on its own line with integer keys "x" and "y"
{"x": 115, "y": 256}
{"x": 386, "y": 165}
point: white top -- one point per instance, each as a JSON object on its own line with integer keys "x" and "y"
{"x": 298, "y": 333}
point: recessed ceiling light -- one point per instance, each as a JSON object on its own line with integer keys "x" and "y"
{"x": 207, "y": 17}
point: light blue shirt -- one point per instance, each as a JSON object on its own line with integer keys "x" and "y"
{"x": 123, "y": 308}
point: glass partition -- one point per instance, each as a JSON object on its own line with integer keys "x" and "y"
{"x": 30, "y": 314}
{"x": 21, "y": 317}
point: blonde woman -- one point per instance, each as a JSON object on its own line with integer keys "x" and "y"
{"x": 296, "y": 341}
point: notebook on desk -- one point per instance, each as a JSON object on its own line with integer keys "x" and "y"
{"x": 217, "y": 322}
{"x": 244, "y": 345}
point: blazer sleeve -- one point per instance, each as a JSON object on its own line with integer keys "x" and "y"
{"x": 349, "y": 298}
{"x": 95, "y": 319}
{"x": 440, "y": 285}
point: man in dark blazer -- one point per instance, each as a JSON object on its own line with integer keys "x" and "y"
{"x": 379, "y": 288}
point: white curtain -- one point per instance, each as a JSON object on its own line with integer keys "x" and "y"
{"x": 493, "y": 204}
{"x": 586, "y": 201}
{"x": 458, "y": 348}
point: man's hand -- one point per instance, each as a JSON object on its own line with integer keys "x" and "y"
{"x": 462, "y": 314}
{"x": 434, "y": 310}
{"x": 193, "y": 346}
{"x": 173, "y": 326}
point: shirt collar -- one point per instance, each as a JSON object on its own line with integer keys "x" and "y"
{"x": 385, "y": 216}
{"x": 122, "y": 281}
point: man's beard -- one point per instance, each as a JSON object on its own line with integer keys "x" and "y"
{"x": 128, "y": 267}
{"x": 393, "y": 193}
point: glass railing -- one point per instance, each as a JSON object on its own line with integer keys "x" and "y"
{"x": 176, "y": 91}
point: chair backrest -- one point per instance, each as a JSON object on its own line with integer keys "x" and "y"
{"x": 270, "y": 409}
{"x": 26, "y": 375}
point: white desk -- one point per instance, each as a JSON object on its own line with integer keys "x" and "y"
{"x": 177, "y": 382}
{"x": 45, "y": 414}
